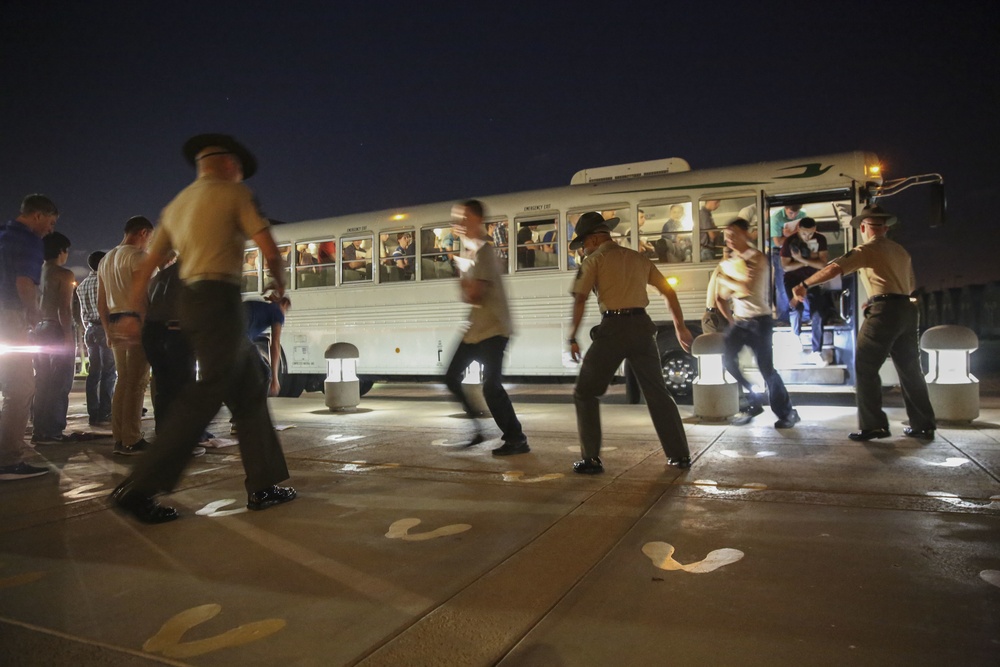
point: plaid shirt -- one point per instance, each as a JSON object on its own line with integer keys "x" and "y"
{"x": 86, "y": 292}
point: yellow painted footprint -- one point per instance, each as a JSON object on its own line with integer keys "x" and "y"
{"x": 518, "y": 476}
{"x": 84, "y": 491}
{"x": 214, "y": 509}
{"x": 168, "y": 640}
{"x": 662, "y": 555}
{"x": 400, "y": 530}
{"x": 20, "y": 579}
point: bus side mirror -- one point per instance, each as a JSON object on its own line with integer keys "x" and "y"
{"x": 938, "y": 205}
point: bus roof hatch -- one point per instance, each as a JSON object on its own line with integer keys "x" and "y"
{"x": 618, "y": 172}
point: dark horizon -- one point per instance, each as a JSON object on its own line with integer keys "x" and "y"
{"x": 374, "y": 107}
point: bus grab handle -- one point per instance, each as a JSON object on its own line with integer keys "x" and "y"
{"x": 845, "y": 300}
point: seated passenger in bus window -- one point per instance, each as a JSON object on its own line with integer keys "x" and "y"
{"x": 711, "y": 239}
{"x": 526, "y": 246}
{"x": 645, "y": 246}
{"x": 448, "y": 243}
{"x": 666, "y": 230}
{"x": 327, "y": 252}
{"x": 500, "y": 240}
{"x": 404, "y": 254}
{"x": 251, "y": 261}
{"x": 356, "y": 262}
{"x": 550, "y": 241}
{"x": 304, "y": 258}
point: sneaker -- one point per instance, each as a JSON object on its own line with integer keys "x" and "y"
{"x": 511, "y": 448}
{"x": 131, "y": 450}
{"x": 743, "y": 418}
{"x": 21, "y": 470}
{"x": 789, "y": 420}
{"x": 261, "y": 500}
{"x": 198, "y": 450}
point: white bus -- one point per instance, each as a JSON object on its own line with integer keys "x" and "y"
{"x": 386, "y": 282}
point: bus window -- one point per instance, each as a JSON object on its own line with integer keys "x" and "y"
{"x": 313, "y": 267}
{"x": 573, "y": 257}
{"x": 400, "y": 264}
{"x": 250, "y": 281}
{"x": 713, "y": 217}
{"x": 496, "y": 230}
{"x": 665, "y": 232}
{"x": 356, "y": 259}
{"x": 533, "y": 237}
{"x": 622, "y": 233}
{"x": 285, "y": 250}
{"x": 438, "y": 246}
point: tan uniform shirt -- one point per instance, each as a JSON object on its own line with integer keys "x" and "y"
{"x": 619, "y": 274}
{"x": 884, "y": 265}
{"x": 208, "y": 223}
{"x": 115, "y": 271}
{"x": 491, "y": 317}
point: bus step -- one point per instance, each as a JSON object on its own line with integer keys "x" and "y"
{"x": 826, "y": 375}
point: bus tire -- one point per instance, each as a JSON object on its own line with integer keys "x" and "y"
{"x": 292, "y": 385}
{"x": 365, "y": 385}
{"x": 679, "y": 370}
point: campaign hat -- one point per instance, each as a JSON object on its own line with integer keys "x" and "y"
{"x": 200, "y": 142}
{"x": 591, "y": 223}
{"x": 874, "y": 211}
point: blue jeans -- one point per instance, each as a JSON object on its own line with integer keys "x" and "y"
{"x": 101, "y": 376}
{"x": 780, "y": 297}
{"x": 54, "y": 368}
{"x": 813, "y": 308}
{"x": 755, "y": 333}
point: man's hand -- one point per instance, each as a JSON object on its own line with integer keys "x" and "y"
{"x": 799, "y": 292}
{"x": 574, "y": 351}
{"x": 275, "y": 387}
{"x": 685, "y": 338}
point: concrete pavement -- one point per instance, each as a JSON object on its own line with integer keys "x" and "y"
{"x": 776, "y": 548}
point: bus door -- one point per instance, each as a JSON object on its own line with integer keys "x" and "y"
{"x": 832, "y": 211}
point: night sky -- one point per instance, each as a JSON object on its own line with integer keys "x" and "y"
{"x": 362, "y": 106}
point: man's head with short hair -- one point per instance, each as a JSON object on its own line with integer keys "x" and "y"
{"x": 37, "y": 203}
{"x": 136, "y": 224}
{"x": 138, "y": 232}
{"x": 791, "y": 210}
{"x": 54, "y": 244}
{"x": 806, "y": 229}
{"x": 38, "y": 214}
{"x": 736, "y": 233}
{"x": 95, "y": 258}
{"x": 467, "y": 218}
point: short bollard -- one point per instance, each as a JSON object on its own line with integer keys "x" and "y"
{"x": 343, "y": 391}
{"x": 953, "y": 389}
{"x": 716, "y": 394}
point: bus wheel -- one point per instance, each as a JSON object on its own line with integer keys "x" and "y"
{"x": 365, "y": 385}
{"x": 292, "y": 385}
{"x": 679, "y": 370}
